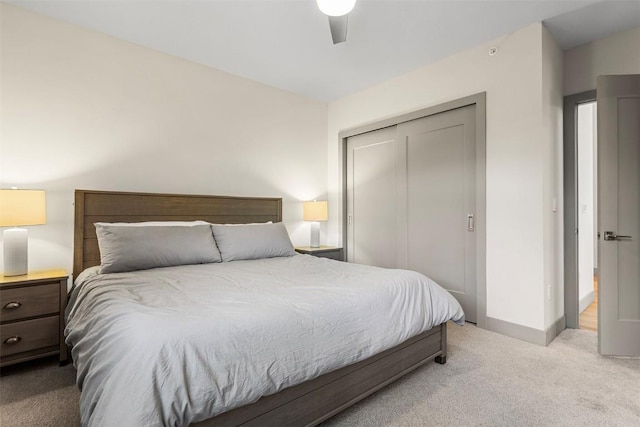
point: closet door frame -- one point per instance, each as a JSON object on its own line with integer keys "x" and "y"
{"x": 479, "y": 100}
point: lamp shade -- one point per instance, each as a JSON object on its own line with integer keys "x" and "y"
{"x": 315, "y": 211}
{"x": 336, "y": 7}
{"x": 22, "y": 207}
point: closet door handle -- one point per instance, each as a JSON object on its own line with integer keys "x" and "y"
{"x": 471, "y": 222}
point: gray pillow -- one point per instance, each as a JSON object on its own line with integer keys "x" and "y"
{"x": 252, "y": 241}
{"x": 154, "y": 223}
{"x": 126, "y": 248}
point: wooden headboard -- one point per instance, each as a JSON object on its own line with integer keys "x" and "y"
{"x": 110, "y": 206}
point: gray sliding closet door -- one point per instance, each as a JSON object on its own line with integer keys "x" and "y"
{"x": 440, "y": 153}
{"x": 371, "y": 207}
{"x": 415, "y": 197}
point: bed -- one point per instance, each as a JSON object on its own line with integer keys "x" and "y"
{"x": 289, "y": 401}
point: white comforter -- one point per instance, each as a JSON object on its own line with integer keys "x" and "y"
{"x": 176, "y": 345}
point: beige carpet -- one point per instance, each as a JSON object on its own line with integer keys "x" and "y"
{"x": 489, "y": 380}
{"x": 494, "y": 380}
{"x": 39, "y": 393}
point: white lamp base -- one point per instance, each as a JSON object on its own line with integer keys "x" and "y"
{"x": 15, "y": 251}
{"x": 315, "y": 234}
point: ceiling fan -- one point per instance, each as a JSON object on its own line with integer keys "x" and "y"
{"x": 337, "y": 11}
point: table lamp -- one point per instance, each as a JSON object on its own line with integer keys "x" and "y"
{"x": 19, "y": 208}
{"x": 315, "y": 211}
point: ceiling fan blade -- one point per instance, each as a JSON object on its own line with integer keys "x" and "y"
{"x": 338, "y": 25}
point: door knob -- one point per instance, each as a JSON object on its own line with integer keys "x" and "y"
{"x": 611, "y": 235}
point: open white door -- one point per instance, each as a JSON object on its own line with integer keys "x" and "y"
{"x": 619, "y": 215}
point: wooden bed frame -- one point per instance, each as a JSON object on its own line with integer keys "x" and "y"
{"x": 306, "y": 404}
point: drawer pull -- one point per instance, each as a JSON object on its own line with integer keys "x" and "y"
{"x": 13, "y": 340}
{"x": 12, "y": 305}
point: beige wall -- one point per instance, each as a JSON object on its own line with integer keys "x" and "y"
{"x": 552, "y": 200}
{"x": 83, "y": 110}
{"x": 521, "y": 171}
{"x": 617, "y": 54}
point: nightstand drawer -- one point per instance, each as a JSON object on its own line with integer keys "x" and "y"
{"x": 330, "y": 252}
{"x": 19, "y": 337}
{"x": 337, "y": 255}
{"x": 29, "y": 301}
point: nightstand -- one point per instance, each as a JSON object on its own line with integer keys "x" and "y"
{"x": 331, "y": 252}
{"x": 32, "y": 316}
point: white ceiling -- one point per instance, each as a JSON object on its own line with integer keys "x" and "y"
{"x": 287, "y": 44}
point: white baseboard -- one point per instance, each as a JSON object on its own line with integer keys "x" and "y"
{"x": 587, "y": 300}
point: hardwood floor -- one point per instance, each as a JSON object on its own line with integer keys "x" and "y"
{"x": 589, "y": 317}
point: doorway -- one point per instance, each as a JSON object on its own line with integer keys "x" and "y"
{"x": 586, "y": 128}
{"x": 580, "y": 213}
{"x": 617, "y": 161}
